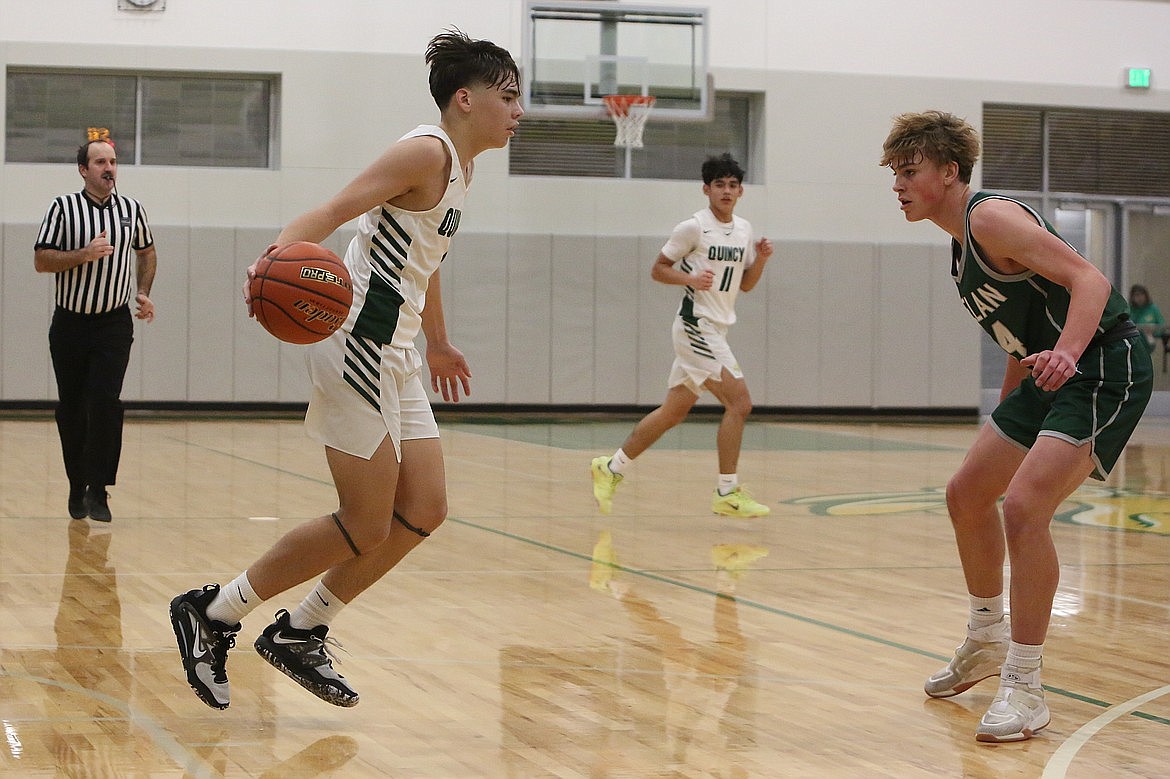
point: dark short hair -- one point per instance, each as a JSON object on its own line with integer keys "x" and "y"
{"x": 721, "y": 167}
{"x": 83, "y": 151}
{"x": 457, "y": 61}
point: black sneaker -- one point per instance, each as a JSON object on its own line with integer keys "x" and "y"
{"x": 97, "y": 505}
{"x": 203, "y": 645}
{"x": 303, "y": 657}
{"x": 77, "y": 502}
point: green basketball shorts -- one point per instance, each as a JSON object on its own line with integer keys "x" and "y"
{"x": 1100, "y": 405}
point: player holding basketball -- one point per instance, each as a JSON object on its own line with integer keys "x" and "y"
{"x": 717, "y": 257}
{"x": 369, "y": 407}
{"x": 1077, "y": 381}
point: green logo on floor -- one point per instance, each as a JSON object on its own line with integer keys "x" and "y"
{"x": 1105, "y": 507}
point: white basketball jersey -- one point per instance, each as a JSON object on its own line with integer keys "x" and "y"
{"x": 703, "y": 242}
{"x": 394, "y": 254}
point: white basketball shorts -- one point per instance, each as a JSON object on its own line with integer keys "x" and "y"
{"x": 364, "y": 391}
{"x": 700, "y": 353}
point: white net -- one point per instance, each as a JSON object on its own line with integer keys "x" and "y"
{"x": 629, "y": 114}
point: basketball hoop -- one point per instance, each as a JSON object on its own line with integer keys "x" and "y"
{"x": 629, "y": 114}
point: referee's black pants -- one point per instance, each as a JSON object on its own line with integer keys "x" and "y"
{"x": 90, "y": 354}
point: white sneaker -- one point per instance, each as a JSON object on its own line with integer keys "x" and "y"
{"x": 1018, "y": 710}
{"x": 980, "y": 657}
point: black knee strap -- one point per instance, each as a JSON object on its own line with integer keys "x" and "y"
{"x": 416, "y": 530}
{"x": 348, "y": 540}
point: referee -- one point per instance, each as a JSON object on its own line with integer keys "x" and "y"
{"x": 87, "y": 240}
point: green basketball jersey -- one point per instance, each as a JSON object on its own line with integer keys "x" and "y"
{"x": 1023, "y": 312}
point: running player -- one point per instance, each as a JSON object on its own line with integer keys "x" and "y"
{"x": 717, "y": 257}
{"x": 1078, "y": 378}
{"x": 369, "y": 407}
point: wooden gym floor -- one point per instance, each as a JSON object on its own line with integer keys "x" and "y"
{"x": 533, "y": 637}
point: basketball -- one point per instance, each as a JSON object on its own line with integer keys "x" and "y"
{"x": 301, "y": 292}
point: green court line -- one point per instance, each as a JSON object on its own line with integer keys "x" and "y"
{"x": 763, "y": 607}
{"x": 692, "y": 434}
{"x": 771, "y": 610}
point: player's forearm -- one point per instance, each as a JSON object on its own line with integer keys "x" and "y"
{"x": 434, "y": 322}
{"x": 664, "y": 272}
{"x": 752, "y": 275}
{"x": 1087, "y": 300}
{"x": 314, "y": 226}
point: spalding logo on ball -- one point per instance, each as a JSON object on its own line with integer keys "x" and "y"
{"x": 301, "y": 292}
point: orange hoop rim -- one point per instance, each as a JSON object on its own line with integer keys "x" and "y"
{"x": 619, "y": 105}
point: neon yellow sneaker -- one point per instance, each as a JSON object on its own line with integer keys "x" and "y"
{"x": 738, "y": 503}
{"x": 736, "y": 559}
{"x": 604, "y": 563}
{"x": 605, "y": 482}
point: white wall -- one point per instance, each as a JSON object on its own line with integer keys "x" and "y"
{"x": 1065, "y": 42}
{"x": 856, "y": 309}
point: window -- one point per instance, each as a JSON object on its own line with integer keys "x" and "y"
{"x": 672, "y": 150}
{"x": 188, "y": 119}
{"x": 1084, "y": 151}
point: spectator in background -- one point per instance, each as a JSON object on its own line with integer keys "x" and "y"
{"x": 1146, "y": 315}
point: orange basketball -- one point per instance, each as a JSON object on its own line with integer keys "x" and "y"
{"x": 301, "y": 292}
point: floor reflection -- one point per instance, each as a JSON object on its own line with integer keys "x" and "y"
{"x": 88, "y": 628}
{"x": 1146, "y": 467}
{"x": 656, "y": 698}
{"x": 322, "y": 756}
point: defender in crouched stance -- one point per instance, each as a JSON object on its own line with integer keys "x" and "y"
{"x": 1078, "y": 378}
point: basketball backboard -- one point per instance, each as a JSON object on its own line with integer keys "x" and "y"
{"x": 575, "y": 53}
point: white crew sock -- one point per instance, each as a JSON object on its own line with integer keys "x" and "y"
{"x": 318, "y": 608}
{"x": 985, "y": 611}
{"x": 1024, "y": 657}
{"x": 619, "y": 461}
{"x": 235, "y": 601}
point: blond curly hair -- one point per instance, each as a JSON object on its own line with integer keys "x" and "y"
{"x": 935, "y": 135}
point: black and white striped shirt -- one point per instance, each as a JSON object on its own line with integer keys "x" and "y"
{"x": 105, "y": 284}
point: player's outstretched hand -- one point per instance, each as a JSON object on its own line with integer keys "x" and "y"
{"x": 449, "y": 370}
{"x": 251, "y": 274}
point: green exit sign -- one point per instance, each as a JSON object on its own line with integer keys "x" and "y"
{"x": 1139, "y": 78}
